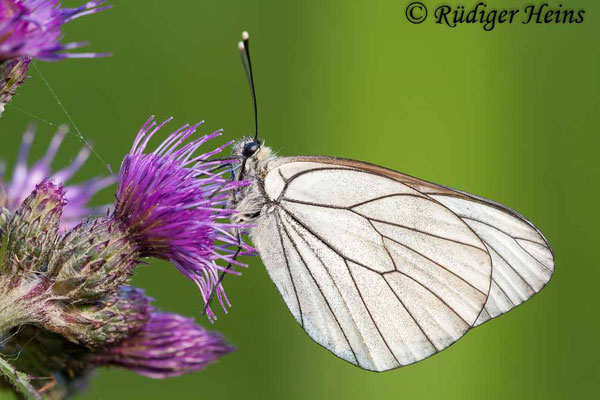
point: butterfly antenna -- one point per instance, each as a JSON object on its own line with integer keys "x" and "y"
{"x": 244, "y": 47}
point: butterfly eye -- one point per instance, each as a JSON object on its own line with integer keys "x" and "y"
{"x": 250, "y": 148}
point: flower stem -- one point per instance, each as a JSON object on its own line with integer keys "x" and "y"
{"x": 19, "y": 380}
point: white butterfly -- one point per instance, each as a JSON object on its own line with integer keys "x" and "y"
{"x": 381, "y": 268}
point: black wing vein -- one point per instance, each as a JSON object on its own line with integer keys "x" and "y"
{"x": 398, "y": 297}
{"x": 516, "y": 239}
{"x": 287, "y": 264}
{"x": 429, "y": 259}
{"x": 511, "y": 267}
{"x": 503, "y": 292}
{"x": 531, "y": 255}
{"x": 342, "y": 297}
{"x": 321, "y": 290}
{"x": 303, "y": 225}
{"x": 308, "y": 203}
{"x": 369, "y": 312}
{"x": 370, "y": 269}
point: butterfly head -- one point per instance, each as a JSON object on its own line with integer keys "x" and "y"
{"x": 254, "y": 156}
{"x": 250, "y": 148}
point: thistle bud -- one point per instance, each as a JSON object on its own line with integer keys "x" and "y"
{"x": 5, "y": 216}
{"x": 28, "y": 240}
{"x": 92, "y": 260}
{"x": 33, "y": 230}
{"x": 70, "y": 283}
{"x": 104, "y": 321}
{"x": 42, "y": 209}
{"x": 13, "y": 73}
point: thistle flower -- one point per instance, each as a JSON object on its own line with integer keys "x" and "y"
{"x": 33, "y": 28}
{"x": 165, "y": 345}
{"x": 168, "y": 345}
{"x": 25, "y": 179}
{"x": 172, "y": 202}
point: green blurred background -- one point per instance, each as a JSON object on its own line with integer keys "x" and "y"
{"x": 511, "y": 114}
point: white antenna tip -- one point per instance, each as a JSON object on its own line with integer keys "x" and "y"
{"x": 241, "y": 46}
{"x": 245, "y": 35}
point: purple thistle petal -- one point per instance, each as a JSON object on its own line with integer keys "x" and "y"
{"x": 33, "y": 28}
{"x": 25, "y": 179}
{"x": 175, "y": 206}
{"x": 168, "y": 345}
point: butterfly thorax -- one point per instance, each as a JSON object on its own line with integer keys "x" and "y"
{"x": 249, "y": 200}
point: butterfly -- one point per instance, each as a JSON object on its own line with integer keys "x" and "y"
{"x": 381, "y": 268}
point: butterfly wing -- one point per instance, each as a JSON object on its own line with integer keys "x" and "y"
{"x": 522, "y": 259}
{"x": 373, "y": 269}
